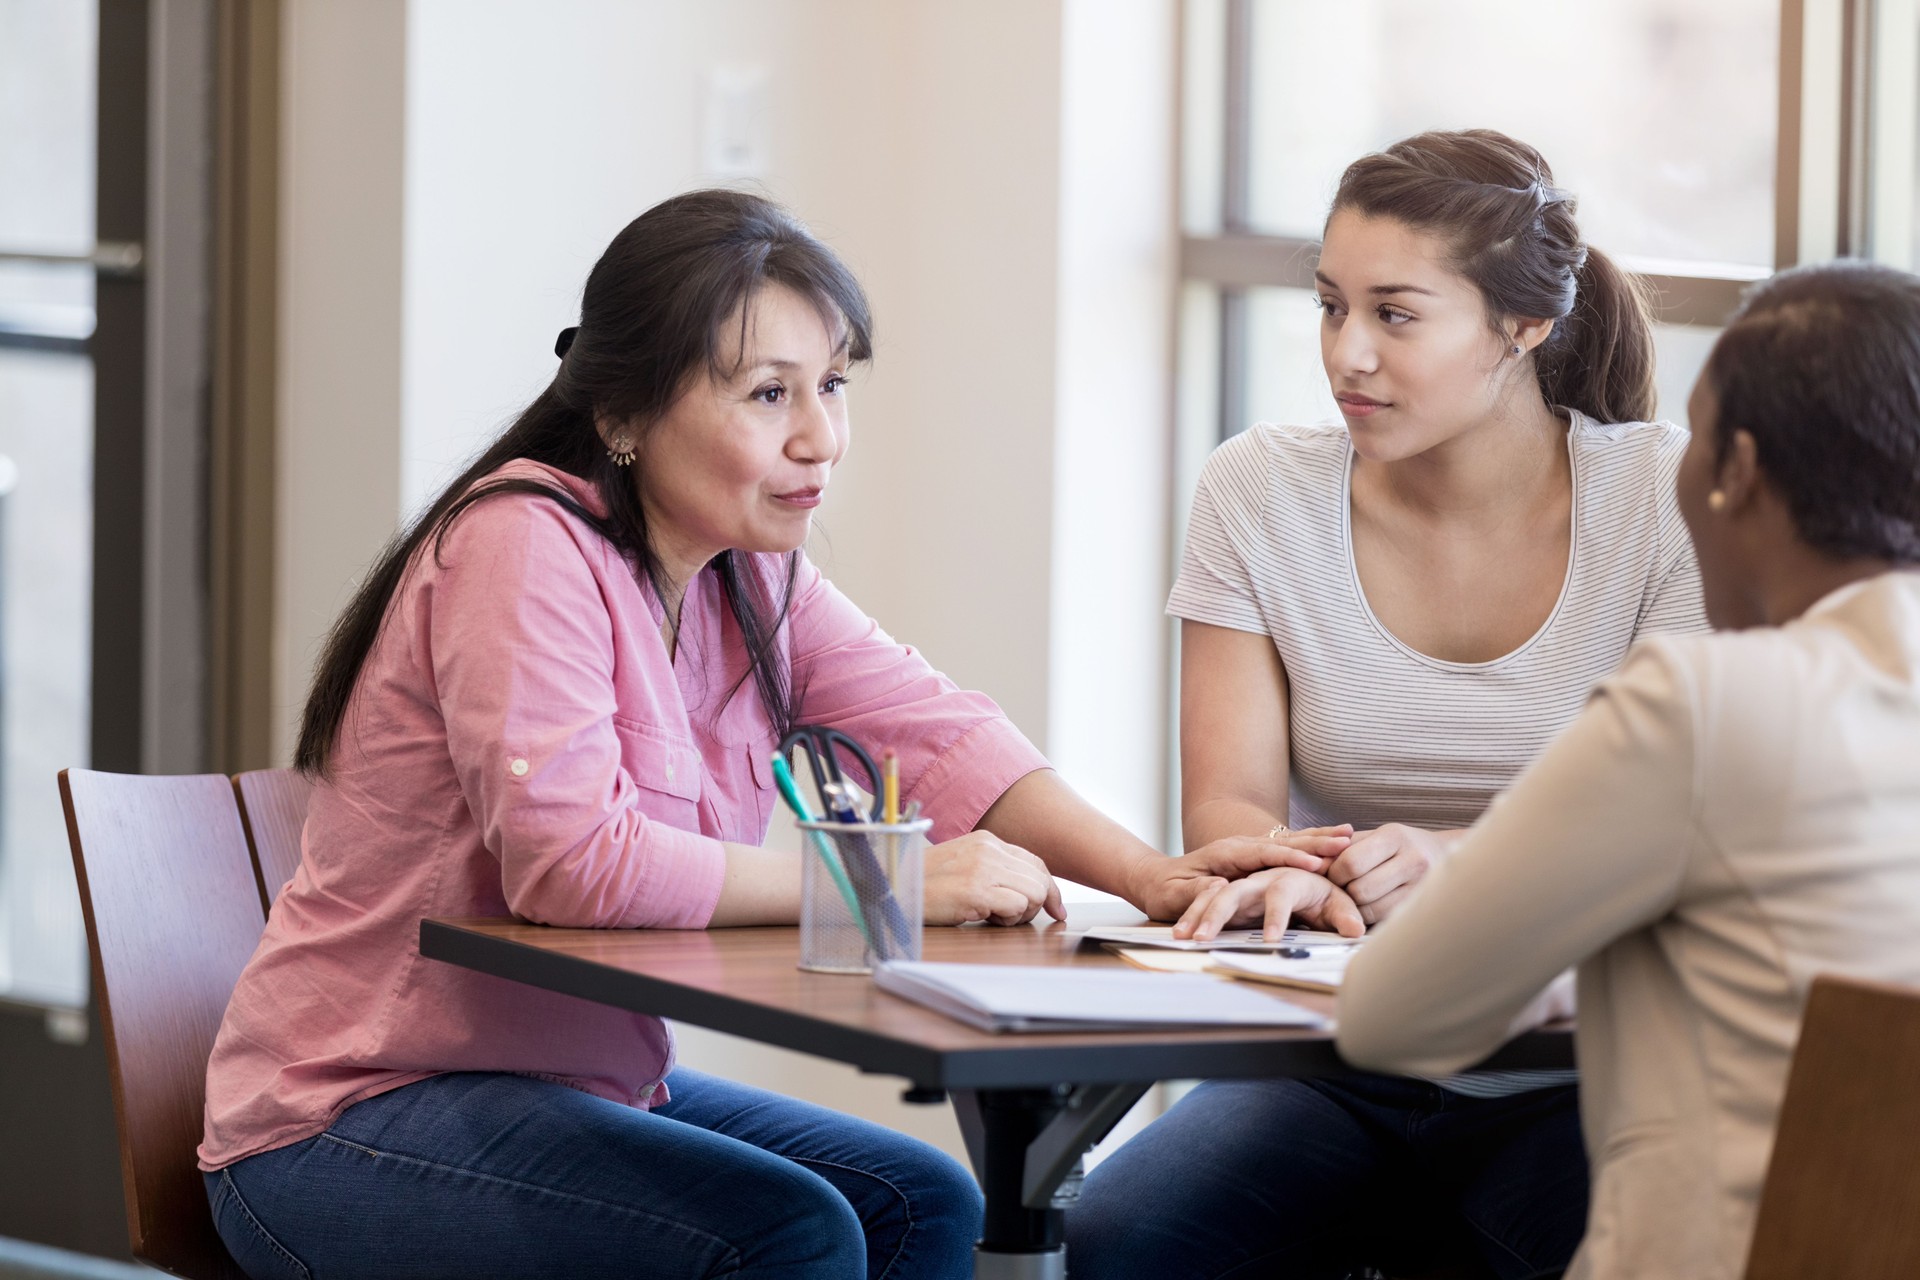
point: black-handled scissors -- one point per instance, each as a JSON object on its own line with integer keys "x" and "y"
{"x": 818, "y": 743}
{"x": 870, "y": 885}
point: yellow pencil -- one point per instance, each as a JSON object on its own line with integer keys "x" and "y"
{"x": 890, "y": 786}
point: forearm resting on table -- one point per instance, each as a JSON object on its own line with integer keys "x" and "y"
{"x": 762, "y": 886}
{"x": 1048, "y": 818}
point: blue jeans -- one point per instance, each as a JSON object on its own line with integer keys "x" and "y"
{"x": 1316, "y": 1179}
{"x": 481, "y": 1175}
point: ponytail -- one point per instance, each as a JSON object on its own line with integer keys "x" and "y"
{"x": 1599, "y": 359}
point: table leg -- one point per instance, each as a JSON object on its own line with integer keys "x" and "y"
{"x": 1026, "y": 1146}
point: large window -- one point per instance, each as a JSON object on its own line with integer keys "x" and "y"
{"x": 1709, "y": 141}
{"x": 1652, "y": 106}
{"x": 1663, "y": 115}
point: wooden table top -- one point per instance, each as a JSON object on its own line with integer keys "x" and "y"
{"x": 745, "y": 982}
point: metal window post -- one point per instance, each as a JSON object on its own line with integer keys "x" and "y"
{"x": 1236, "y": 211}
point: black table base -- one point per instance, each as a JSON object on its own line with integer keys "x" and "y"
{"x": 1027, "y": 1147}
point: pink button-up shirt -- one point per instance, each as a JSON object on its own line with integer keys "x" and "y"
{"x": 519, "y": 741}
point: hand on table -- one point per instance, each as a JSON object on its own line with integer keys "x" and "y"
{"x": 1380, "y": 867}
{"x": 979, "y": 876}
{"x": 1166, "y": 887}
{"x": 1274, "y": 897}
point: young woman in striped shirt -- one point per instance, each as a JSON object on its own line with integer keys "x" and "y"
{"x": 1383, "y": 621}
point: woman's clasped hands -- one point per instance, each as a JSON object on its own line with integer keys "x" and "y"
{"x": 979, "y": 876}
{"x": 1344, "y": 892}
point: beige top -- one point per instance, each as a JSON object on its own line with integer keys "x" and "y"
{"x": 1732, "y": 815}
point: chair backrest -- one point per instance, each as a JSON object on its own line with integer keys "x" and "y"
{"x": 1842, "y": 1196}
{"x": 173, "y": 912}
{"x": 273, "y": 808}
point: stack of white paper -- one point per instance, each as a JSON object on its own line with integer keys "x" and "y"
{"x": 1004, "y": 997}
{"x": 1161, "y": 935}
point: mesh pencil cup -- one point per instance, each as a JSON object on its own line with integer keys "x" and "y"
{"x": 861, "y": 893}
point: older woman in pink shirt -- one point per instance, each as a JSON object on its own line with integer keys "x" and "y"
{"x": 556, "y": 695}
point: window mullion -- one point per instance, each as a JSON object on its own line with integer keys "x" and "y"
{"x": 1236, "y": 202}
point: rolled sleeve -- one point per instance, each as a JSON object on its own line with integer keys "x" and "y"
{"x": 522, "y": 660}
{"x": 958, "y": 751}
{"x": 1215, "y": 585}
{"x": 973, "y": 773}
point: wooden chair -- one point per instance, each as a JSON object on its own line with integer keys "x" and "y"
{"x": 1842, "y": 1196}
{"x": 173, "y": 912}
{"x": 273, "y": 808}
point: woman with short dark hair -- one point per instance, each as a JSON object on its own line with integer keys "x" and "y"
{"x": 1731, "y": 816}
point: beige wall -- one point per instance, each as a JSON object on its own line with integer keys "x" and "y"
{"x": 1005, "y": 199}
{"x": 921, "y": 140}
{"x": 342, "y": 161}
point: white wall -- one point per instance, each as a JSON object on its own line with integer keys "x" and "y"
{"x": 1005, "y": 199}
{"x": 1113, "y": 403}
{"x": 341, "y": 151}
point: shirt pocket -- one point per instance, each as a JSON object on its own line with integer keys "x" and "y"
{"x": 666, "y": 769}
{"x": 760, "y": 769}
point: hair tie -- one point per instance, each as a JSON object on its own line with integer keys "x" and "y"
{"x": 564, "y": 343}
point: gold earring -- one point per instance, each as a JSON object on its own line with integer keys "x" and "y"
{"x": 620, "y": 449}
{"x": 1717, "y": 501}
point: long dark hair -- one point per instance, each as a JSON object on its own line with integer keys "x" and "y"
{"x": 650, "y": 319}
{"x": 1821, "y": 366}
{"x": 1512, "y": 233}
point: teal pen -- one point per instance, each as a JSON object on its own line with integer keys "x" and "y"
{"x": 783, "y": 779}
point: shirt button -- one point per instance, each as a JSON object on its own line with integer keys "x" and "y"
{"x": 519, "y": 767}
{"x": 669, "y": 771}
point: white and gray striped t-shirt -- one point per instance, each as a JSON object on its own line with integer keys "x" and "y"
{"x": 1378, "y": 731}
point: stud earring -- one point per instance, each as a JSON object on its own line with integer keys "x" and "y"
{"x": 1717, "y": 501}
{"x": 1516, "y": 348}
{"x": 620, "y": 449}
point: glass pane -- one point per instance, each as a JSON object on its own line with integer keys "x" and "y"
{"x": 1285, "y": 379}
{"x": 46, "y": 163}
{"x": 47, "y": 125}
{"x": 1679, "y": 352}
{"x": 46, "y": 558}
{"x": 1659, "y": 114}
{"x": 1203, "y": 130}
{"x": 1893, "y": 135}
{"x": 1197, "y": 394}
